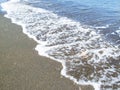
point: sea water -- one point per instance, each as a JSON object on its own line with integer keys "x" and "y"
{"x": 84, "y": 36}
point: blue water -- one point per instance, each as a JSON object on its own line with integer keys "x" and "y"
{"x": 95, "y": 13}
{"x": 1, "y": 1}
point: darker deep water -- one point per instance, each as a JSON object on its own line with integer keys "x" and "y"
{"x": 102, "y": 15}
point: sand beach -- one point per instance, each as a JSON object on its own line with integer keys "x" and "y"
{"x": 21, "y": 68}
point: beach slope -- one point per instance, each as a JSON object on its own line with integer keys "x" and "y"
{"x": 21, "y": 68}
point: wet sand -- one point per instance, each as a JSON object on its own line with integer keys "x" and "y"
{"x": 21, "y": 68}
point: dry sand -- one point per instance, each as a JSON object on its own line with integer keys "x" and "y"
{"x": 21, "y": 68}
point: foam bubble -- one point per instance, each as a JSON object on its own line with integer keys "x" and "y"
{"x": 14, "y": 0}
{"x": 85, "y": 56}
{"x": 118, "y": 31}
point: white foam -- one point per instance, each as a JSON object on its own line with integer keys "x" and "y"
{"x": 14, "y": 0}
{"x": 118, "y": 31}
{"x": 106, "y": 26}
{"x": 60, "y": 38}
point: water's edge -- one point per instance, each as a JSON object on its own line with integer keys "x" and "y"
{"x": 95, "y": 53}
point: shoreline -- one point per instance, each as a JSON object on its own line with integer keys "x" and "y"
{"x": 21, "y": 68}
{"x": 32, "y": 68}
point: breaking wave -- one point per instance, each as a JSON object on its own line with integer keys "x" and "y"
{"x": 85, "y": 56}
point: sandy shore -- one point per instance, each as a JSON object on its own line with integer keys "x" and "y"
{"x": 21, "y": 68}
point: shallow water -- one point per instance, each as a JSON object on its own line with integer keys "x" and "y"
{"x": 83, "y": 37}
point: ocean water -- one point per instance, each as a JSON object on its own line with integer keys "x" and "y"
{"x": 1, "y": 1}
{"x": 84, "y": 36}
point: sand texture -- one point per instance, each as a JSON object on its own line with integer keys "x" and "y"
{"x": 21, "y": 68}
